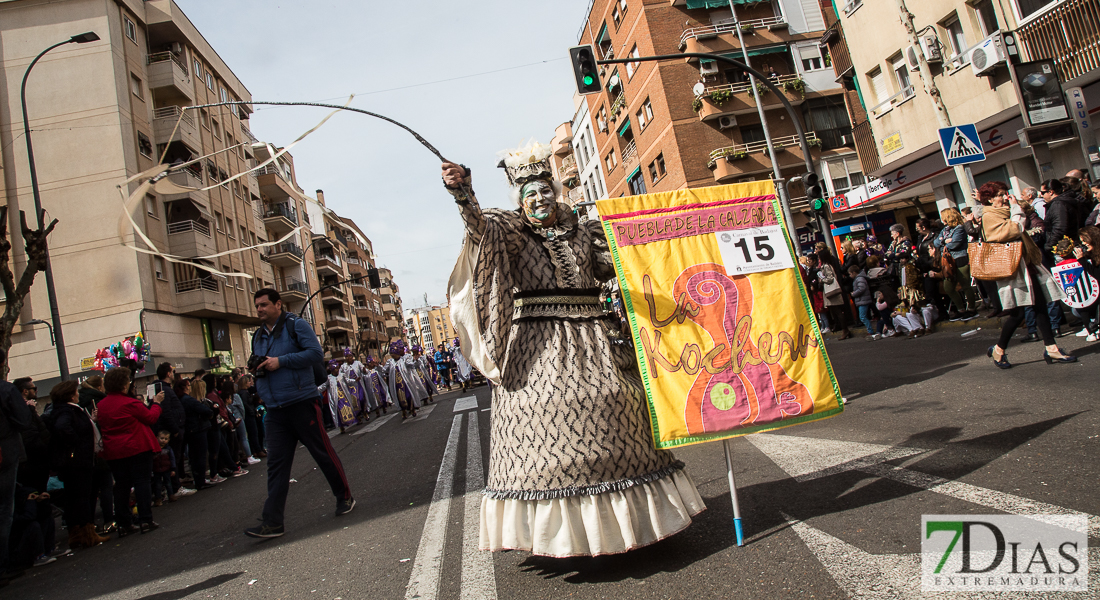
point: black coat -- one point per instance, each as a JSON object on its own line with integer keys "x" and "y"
{"x": 198, "y": 414}
{"x": 14, "y": 419}
{"x": 172, "y": 416}
{"x": 1061, "y": 221}
{"x": 72, "y": 438}
{"x": 89, "y": 398}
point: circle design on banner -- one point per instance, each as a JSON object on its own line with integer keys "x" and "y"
{"x": 1081, "y": 290}
{"x": 723, "y": 396}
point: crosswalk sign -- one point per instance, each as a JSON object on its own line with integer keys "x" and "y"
{"x": 961, "y": 145}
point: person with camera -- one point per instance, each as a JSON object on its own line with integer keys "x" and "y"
{"x": 284, "y": 352}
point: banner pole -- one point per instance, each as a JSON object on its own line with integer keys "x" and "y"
{"x": 733, "y": 494}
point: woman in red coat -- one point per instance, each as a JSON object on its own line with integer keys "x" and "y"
{"x": 128, "y": 447}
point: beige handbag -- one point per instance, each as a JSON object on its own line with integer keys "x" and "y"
{"x": 990, "y": 261}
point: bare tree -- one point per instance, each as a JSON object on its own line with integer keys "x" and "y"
{"x": 16, "y": 291}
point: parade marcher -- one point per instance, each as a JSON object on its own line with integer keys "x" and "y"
{"x": 285, "y": 381}
{"x": 462, "y": 368}
{"x": 375, "y": 385}
{"x": 329, "y": 391}
{"x": 423, "y": 366}
{"x": 443, "y": 360}
{"x": 405, "y": 385}
{"x": 595, "y": 484}
{"x": 352, "y": 373}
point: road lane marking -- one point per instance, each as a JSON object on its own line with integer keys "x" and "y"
{"x": 467, "y": 403}
{"x": 424, "y": 581}
{"x": 421, "y": 413}
{"x": 375, "y": 424}
{"x": 478, "y": 577}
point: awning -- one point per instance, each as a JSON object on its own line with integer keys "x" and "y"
{"x": 603, "y": 34}
{"x": 625, "y": 126}
{"x": 691, "y": 4}
{"x": 636, "y": 170}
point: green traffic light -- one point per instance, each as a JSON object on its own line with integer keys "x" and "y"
{"x": 588, "y": 79}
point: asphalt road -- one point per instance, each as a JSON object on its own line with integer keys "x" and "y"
{"x": 832, "y": 509}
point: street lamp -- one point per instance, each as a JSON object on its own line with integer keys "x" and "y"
{"x": 47, "y": 324}
{"x": 55, "y": 316}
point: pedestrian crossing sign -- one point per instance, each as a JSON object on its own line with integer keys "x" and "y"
{"x": 961, "y": 145}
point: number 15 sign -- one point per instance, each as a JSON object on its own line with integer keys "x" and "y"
{"x": 754, "y": 250}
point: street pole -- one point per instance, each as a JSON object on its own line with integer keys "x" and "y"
{"x": 962, "y": 172}
{"x": 51, "y": 293}
{"x": 784, "y": 196}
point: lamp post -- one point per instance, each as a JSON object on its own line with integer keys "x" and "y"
{"x": 47, "y": 324}
{"x": 55, "y": 316}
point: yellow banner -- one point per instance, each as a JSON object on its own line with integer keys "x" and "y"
{"x": 723, "y": 328}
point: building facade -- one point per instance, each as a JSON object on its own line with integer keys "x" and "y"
{"x": 103, "y": 112}
{"x": 390, "y": 295}
{"x": 430, "y": 326}
{"x": 366, "y": 302}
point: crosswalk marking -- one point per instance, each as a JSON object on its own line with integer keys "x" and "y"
{"x": 375, "y": 424}
{"x": 467, "y": 403}
{"x": 478, "y": 576}
{"x": 421, "y": 413}
{"x": 424, "y": 581}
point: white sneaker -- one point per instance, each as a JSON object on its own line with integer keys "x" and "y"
{"x": 1093, "y": 337}
{"x": 185, "y": 491}
{"x": 826, "y": 330}
{"x": 1082, "y": 333}
{"x": 253, "y": 460}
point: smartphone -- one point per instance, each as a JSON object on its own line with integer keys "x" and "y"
{"x": 153, "y": 389}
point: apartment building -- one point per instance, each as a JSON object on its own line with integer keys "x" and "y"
{"x": 102, "y": 112}
{"x": 429, "y": 326}
{"x": 390, "y": 294}
{"x": 366, "y": 302}
{"x": 660, "y": 126}
{"x": 285, "y": 211}
{"x": 897, "y": 122}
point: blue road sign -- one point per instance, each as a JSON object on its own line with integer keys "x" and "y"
{"x": 961, "y": 145}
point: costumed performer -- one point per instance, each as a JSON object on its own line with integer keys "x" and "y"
{"x": 404, "y": 382}
{"x": 352, "y": 372}
{"x": 375, "y": 385}
{"x": 422, "y": 366}
{"x": 525, "y": 300}
{"x": 462, "y": 368}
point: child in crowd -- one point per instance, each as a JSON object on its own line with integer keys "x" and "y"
{"x": 164, "y": 469}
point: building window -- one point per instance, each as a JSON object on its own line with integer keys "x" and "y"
{"x": 878, "y": 83}
{"x": 657, "y": 168}
{"x": 204, "y": 118}
{"x": 616, "y": 16}
{"x": 198, "y": 69}
{"x": 956, "y": 39}
{"x": 229, "y": 227}
{"x": 217, "y": 128}
{"x": 632, "y": 67}
{"x": 987, "y": 17}
{"x": 212, "y": 171}
{"x": 645, "y": 114}
{"x": 843, "y": 174}
{"x": 218, "y": 222}
{"x": 752, "y": 133}
{"x": 151, "y": 206}
{"x": 131, "y": 29}
{"x": 144, "y": 145}
{"x": 209, "y": 81}
{"x": 637, "y": 183}
{"x": 611, "y": 160}
{"x": 158, "y": 268}
{"x": 224, "y": 95}
{"x": 136, "y": 87}
{"x": 811, "y": 58}
{"x": 829, "y": 122}
{"x": 1027, "y": 8}
{"x": 901, "y": 76}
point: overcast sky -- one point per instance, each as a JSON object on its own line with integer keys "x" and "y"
{"x": 370, "y": 170}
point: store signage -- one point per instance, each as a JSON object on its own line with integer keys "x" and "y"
{"x": 1041, "y": 92}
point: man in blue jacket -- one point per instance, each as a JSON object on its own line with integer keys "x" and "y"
{"x": 285, "y": 382}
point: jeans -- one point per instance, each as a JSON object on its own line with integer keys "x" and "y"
{"x": 163, "y": 482}
{"x": 242, "y": 439}
{"x": 1054, "y": 316}
{"x": 1016, "y": 316}
{"x": 133, "y": 472}
{"x": 104, "y": 485}
{"x": 865, "y": 316}
{"x": 197, "y": 449}
{"x": 287, "y": 426}
{"x": 250, "y": 427}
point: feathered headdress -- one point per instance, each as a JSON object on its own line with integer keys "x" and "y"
{"x": 527, "y": 163}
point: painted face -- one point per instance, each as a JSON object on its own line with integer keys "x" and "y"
{"x": 538, "y": 202}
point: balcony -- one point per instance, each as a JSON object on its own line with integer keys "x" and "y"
{"x": 838, "y": 51}
{"x": 165, "y": 129}
{"x": 328, "y": 264}
{"x": 190, "y": 238}
{"x": 280, "y": 219}
{"x": 273, "y": 183}
{"x": 722, "y": 38}
{"x": 733, "y": 162}
{"x": 292, "y": 290}
{"x": 187, "y": 178}
{"x": 630, "y": 153}
{"x": 866, "y": 147}
{"x": 286, "y": 254}
{"x": 169, "y": 77}
{"x": 737, "y": 98}
{"x": 333, "y": 296}
{"x": 1068, "y": 34}
{"x": 200, "y": 298}
{"x": 337, "y": 324}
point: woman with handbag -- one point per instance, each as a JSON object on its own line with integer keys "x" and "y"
{"x": 1023, "y": 281}
{"x": 836, "y": 302}
{"x": 952, "y": 240}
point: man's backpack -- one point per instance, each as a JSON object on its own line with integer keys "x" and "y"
{"x": 320, "y": 376}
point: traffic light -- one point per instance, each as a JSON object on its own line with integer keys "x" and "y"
{"x": 812, "y": 183}
{"x": 584, "y": 68}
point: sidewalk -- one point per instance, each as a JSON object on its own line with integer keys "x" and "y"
{"x": 960, "y": 327}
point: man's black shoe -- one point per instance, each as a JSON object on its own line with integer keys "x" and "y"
{"x": 150, "y": 526}
{"x": 343, "y": 507}
{"x": 1031, "y": 337}
{"x": 124, "y": 531}
{"x": 265, "y": 531}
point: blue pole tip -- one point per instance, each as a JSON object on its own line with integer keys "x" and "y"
{"x": 739, "y": 531}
